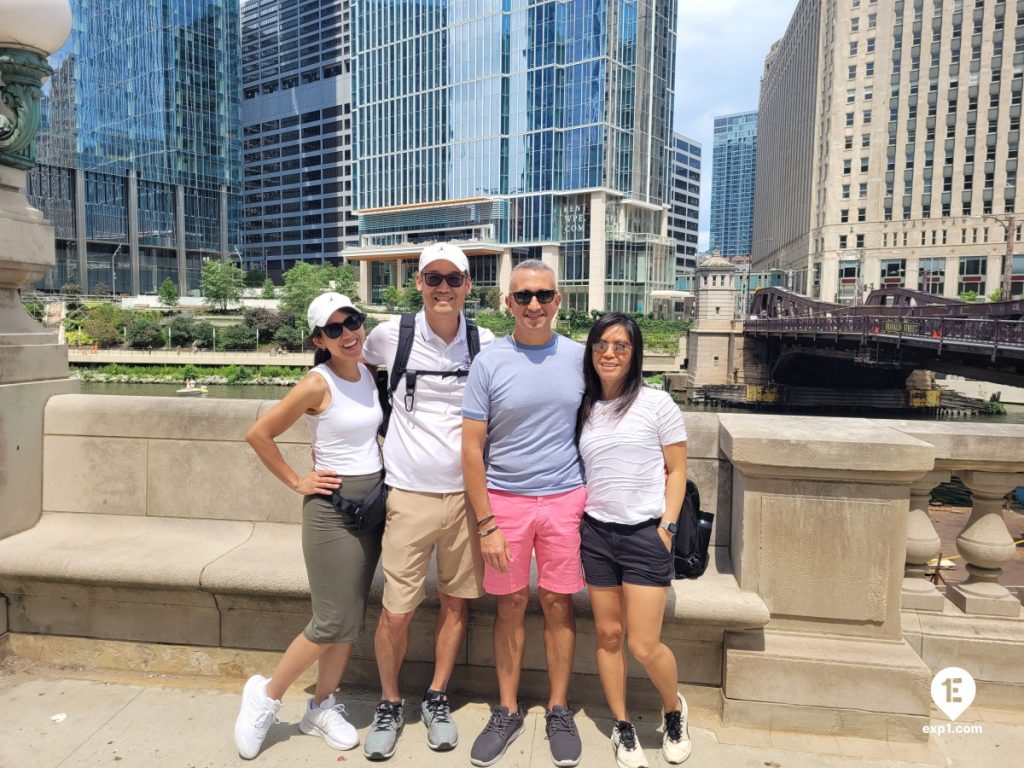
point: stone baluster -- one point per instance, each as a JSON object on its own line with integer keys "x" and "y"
{"x": 986, "y": 545}
{"x": 923, "y": 544}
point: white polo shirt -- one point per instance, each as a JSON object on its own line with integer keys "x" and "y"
{"x": 423, "y": 449}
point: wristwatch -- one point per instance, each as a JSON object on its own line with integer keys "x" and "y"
{"x": 670, "y": 527}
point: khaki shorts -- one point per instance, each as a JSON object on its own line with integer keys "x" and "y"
{"x": 416, "y": 524}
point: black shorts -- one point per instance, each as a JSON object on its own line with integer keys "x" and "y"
{"x": 614, "y": 554}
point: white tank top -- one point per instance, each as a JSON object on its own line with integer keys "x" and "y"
{"x": 344, "y": 436}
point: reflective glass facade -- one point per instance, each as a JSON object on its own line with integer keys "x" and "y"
{"x": 734, "y": 168}
{"x": 497, "y": 121}
{"x": 297, "y": 132}
{"x": 139, "y": 163}
{"x": 684, "y": 199}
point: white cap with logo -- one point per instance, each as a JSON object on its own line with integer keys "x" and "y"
{"x": 326, "y": 304}
{"x": 444, "y": 252}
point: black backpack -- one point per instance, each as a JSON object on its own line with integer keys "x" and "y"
{"x": 693, "y": 536}
{"x": 387, "y": 381}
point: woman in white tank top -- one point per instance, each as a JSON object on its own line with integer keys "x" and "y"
{"x": 338, "y": 398}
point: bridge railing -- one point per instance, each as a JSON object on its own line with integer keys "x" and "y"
{"x": 1000, "y": 332}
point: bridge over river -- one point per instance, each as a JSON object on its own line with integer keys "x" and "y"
{"x": 880, "y": 342}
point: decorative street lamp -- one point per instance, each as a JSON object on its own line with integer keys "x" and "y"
{"x": 31, "y": 30}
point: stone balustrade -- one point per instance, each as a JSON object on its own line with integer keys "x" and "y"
{"x": 159, "y": 524}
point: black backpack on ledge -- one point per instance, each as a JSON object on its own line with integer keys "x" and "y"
{"x": 693, "y": 537}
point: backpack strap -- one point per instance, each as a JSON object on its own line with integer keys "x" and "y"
{"x": 472, "y": 339}
{"x": 406, "y": 334}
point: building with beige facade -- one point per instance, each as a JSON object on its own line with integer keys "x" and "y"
{"x": 888, "y": 140}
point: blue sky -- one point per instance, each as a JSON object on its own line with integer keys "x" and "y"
{"x": 720, "y": 55}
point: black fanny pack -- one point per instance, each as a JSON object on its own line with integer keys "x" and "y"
{"x": 369, "y": 513}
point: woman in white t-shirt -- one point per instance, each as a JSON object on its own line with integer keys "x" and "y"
{"x": 633, "y": 444}
{"x": 338, "y": 398}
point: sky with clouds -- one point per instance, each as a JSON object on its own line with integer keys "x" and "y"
{"x": 720, "y": 55}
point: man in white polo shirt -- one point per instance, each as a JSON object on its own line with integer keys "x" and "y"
{"x": 427, "y": 510}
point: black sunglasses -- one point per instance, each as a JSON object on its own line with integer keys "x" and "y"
{"x": 434, "y": 279}
{"x": 523, "y": 298}
{"x": 353, "y": 322}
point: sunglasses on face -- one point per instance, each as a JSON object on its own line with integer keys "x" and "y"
{"x": 434, "y": 279}
{"x": 523, "y": 298}
{"x": 353, "y": 322}
{"x": 618, "y": 347}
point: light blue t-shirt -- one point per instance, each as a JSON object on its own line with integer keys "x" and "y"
{"x": 528, "y": 395}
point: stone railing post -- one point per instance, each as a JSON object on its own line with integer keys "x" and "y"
{"x": 989, "y": 458}
{"x": 819, "y": 531}
{"x": 986, "y": 546}
{"x": 923, "y": 544}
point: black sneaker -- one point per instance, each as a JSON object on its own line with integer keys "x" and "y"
{"x": 500, "y": 731}
{"x": 563, "y": 738}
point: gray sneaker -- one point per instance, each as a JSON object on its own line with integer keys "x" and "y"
{"x": 563, "y": 738}
{"x": 382, "y": 738}
{"x": 500, "y": 731}
{"x": 436, "y": 714}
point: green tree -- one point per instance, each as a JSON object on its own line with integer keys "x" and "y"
{"x": 183, "y": 329}
{"x": 491, "y": 299}
{"x": 269, "y": 290}
{"x": 346, "y": 280}
{"x": 202, "y": 334}
{"x": 254, "y": 278}
{"x": 104, "y": 323}
{"x": 168, "y": 293}
{"x": 412, "y": 299}
{"x": 222, "y": 283}
{"x": 289, "y": 336}
{"x": 392, "y": 296}
{"x": 143, "y": 333}
{"x": 266, "y": 321}
{"x": 302, "y": 283}
{"x": 239, "y": 336}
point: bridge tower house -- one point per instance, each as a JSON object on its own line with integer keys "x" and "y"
{"x": 715, "y": 344}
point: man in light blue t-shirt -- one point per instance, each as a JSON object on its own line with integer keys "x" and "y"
{"x": 525, "y": 484}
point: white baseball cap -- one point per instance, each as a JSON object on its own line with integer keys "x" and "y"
{"x": 444, "y": 252}
{"x": 326, "y": 304}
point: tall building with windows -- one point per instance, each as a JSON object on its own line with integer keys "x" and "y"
{"x": 684, "y": 200}
{"x": 138, "y": 152}
{"x": 297, "y": 132}
{"x": 523, "y": 129}
{"x": 889, "y": 134}
{"x": 733, "y": 171}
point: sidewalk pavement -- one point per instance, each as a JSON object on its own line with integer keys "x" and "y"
{"x": 80, "y": 718}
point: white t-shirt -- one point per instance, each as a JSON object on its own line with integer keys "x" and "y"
{"x": 423, "y": 449}
{"x": 344, "y": 436}
{"x": 623, "y": 460}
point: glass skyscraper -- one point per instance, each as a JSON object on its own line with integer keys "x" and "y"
{"x": 297, "y": 126}
{"x": 734, "y": 168}
{"x": 520, "y": 129}
{"x": 138, "y": 154}
{"x": 684, "y": 213}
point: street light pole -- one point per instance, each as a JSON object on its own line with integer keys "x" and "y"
{"x": 113, "y": 270}
{"x": 1010, "y": 225}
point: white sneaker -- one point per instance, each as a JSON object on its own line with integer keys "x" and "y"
{"x": 257, "y": 714}
{"x": 675, "y": 745}
{"x": 328, "y": 720}
{"x": 628, "y": 753}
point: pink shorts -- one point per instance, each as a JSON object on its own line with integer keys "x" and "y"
{"x": 546, "y": 525}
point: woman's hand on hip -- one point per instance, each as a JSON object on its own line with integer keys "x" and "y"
{"x": 319, "y": 481}
{"x": 666, "y": 538}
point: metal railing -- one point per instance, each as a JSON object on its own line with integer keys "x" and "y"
{"x": 1003, "y": 333}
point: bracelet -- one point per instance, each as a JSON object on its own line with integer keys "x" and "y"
{"x": 485, "y": 520}
{"x": 489, "y": 531}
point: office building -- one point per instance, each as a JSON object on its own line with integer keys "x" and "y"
{"x": 732, "y": 184}
{"x": 684, "y": 201}
{"x": 889, "y": 134}
{"x": 533, "y": 129}
{"x": 297, "y": 132}
{"x": 138, "y": 152}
